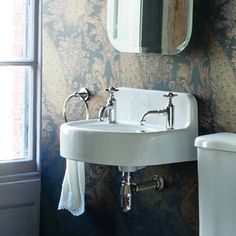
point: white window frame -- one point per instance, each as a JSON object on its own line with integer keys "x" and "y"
{"x": 31, "y": 166}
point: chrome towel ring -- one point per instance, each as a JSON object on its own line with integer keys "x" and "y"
{"x": 84, "y": 95}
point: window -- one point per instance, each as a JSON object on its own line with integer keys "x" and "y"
{"x": 19, "y": 95}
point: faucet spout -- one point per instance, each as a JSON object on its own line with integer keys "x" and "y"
{"x": 101, "y": 113}
{"x": 152, "y": 112}
{"x": 109, "y": 112}
{"x": 168, "y": 111}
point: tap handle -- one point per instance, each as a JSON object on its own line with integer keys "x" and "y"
{"x": 112, "y": 90}
{"x": 170, "y": 96}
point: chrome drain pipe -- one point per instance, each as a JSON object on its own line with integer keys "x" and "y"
{"x": 157, "y": 183}
{"x": 129, "y": 188}
{"x": 126, "y": 192}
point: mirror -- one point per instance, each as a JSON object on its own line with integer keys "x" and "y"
{"x": 143, "y": 26}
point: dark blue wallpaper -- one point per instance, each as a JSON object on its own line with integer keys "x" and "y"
{"x": 76, "y": 53}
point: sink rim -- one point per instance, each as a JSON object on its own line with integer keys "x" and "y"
{"x": 121, "y": 127}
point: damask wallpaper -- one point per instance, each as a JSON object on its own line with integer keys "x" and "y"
{"x": 77, "y": 53}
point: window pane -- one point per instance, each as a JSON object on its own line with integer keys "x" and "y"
{"x": 15, "y": 90}
{"x": 15, "y": 24}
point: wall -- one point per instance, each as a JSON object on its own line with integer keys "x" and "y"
{"x": 76, "y": 53}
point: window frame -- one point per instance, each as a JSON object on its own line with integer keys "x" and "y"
{"x": 31, "y": 166}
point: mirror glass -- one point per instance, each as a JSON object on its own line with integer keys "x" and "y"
{"x": 143, "y": 26}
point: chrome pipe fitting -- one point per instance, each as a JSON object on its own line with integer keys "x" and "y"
{"x": 156, "y": 183}
{"x": 129, "y": 188}
{"x": 126, "y": 192}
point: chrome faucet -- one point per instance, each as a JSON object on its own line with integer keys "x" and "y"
{"x": 168, "y": 111}
{"x": 109, "y": 111}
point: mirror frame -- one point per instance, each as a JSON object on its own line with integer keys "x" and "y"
{"x": 132, "y": 46}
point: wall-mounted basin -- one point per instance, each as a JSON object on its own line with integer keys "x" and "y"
{"x": 127, "y": 143}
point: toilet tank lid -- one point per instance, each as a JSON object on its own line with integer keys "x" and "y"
{"x": 219, "y": 141}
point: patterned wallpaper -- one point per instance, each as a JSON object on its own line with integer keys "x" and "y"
{"x": 76, "y": 53}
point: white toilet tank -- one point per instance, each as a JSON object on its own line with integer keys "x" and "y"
{"x": 217, "y": 184}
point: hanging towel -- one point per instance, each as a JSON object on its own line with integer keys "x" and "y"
{"x": 73, "y": 188}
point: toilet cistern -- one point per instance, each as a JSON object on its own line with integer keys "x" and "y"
{"x": 217, "y": 184}
{"x": 168, "y": 111}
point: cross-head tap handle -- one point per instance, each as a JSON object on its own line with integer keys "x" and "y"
{"x": 170, "y": 96}
{"x": 112, "y": 90}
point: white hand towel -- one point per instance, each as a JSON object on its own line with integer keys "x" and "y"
{"x": 73, "y": 188}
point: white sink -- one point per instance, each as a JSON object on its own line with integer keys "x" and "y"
{"x": 129, "y": 144}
